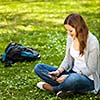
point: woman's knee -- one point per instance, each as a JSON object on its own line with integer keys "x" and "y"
{"x": 37, "y": 67}
{"x": 72, "y": 79}
{"x": 70, "y": 82}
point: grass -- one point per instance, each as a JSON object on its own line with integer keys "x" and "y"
{"x": 39, "y": 24}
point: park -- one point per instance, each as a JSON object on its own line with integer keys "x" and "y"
{"x": 40, "y": 24}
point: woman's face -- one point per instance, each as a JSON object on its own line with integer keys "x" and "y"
{"x": 70, "y": 30}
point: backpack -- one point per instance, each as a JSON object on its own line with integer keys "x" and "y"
{"x": 15, "y": 52}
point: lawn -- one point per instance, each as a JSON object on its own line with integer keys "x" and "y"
{"x": 39, "y": 24}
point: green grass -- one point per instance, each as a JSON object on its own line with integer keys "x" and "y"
{"x": 39, "y": 24}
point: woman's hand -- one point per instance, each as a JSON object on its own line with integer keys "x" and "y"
{"x": 55, "y": 73}
{"x": 61, "y": 78}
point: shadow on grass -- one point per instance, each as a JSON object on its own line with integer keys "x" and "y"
{"x": 15, "y": 19}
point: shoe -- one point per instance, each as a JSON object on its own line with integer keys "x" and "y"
{"x": 63, "y": 94}
{"x": 40, "y": 85}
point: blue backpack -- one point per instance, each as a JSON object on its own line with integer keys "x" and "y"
{"x": 15, "y": 52}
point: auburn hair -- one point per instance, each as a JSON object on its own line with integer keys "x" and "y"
{"x": 77, "y": 22}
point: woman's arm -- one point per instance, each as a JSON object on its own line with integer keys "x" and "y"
{"x": 68, "y": 60}
{"x": 92, "y": 60}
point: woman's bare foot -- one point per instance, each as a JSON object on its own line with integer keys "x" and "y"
{"x": 47, "y": 86}
{"x": 44, "y": 86}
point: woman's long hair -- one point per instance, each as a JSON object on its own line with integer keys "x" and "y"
{"x": 77, "y": 22}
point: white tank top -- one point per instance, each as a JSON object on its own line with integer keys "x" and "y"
{"x": 79, "y": 61}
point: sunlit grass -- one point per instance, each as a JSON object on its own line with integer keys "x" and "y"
{"x": 39, "y": 24}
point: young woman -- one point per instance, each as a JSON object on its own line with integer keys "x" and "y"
{"x": 80, "y": 69}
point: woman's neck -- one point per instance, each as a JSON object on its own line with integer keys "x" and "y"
{"x": 76, "y": 44}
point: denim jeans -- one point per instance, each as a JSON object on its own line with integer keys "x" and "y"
{"x": 74, "y": 81}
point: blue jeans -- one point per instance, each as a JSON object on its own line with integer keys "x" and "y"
{"x": 74, "y": 82}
